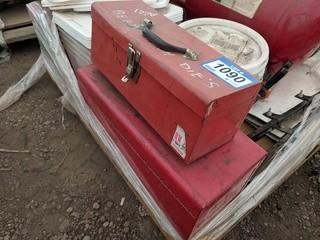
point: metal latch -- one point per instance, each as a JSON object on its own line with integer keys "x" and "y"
{"x": 133, "y": 65}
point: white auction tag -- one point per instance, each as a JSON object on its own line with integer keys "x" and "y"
{"x": 229, "y": 72}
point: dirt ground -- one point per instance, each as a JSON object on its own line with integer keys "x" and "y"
{"x": 66, "y": 188}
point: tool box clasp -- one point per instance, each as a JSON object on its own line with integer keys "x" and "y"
{"x": 132, "y": 71}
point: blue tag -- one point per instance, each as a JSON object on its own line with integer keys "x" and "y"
{"x": 230, "y": 72}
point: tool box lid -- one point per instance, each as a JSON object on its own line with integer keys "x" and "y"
{"x": 199, "y": 84}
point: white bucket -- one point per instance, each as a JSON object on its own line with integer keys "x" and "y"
{"x": 239, "y": 43}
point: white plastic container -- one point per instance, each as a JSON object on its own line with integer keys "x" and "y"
{"x": 157, "y": 3}
{"x": 239, "y": 43}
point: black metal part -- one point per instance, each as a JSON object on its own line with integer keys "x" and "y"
{"x": 257, "y": 123}
{"x": 275, "y": 78}
{"x": 276, "y": 119}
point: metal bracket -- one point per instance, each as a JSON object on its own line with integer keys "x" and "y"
{"x": 264, "y": 129}
{"x": 275, "y": 78}
{"x": 133, "y": 70}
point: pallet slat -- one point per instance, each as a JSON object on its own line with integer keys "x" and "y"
{"x": 19, "y": 34}
{"x": 15, "y": 16}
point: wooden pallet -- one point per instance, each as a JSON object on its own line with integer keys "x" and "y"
{"x": 18, "y": 25}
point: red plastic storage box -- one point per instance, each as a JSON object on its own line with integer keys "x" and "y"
{"x": 190, "y": 195}
{"x": 194, "y": 105}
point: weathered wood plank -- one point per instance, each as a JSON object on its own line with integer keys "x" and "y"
{"x": 15, "y": 16}
{"x": 19, "y": 34}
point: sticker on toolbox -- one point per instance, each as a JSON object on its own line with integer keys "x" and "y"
{"x": 229, "y": 72}
{"x": 179, "y": 141}
{"x": 247, "y": 8}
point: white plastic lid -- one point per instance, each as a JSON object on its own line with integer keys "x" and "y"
{"x": 239, "y": 43}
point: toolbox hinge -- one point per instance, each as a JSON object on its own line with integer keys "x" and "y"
{"x": 133, "y": 65}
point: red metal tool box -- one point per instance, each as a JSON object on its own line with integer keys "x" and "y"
{"x": 194, "y": 99}
{"x": 190, "y": 195}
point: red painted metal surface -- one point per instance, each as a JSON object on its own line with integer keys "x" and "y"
{"x": 190, "y": 195}
{"x": 291, "y": 27}
{"x": 172, "y": 92}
